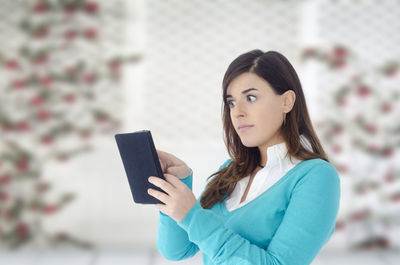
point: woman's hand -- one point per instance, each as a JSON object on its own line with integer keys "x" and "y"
{"x": 178, "y": 200}
{"x": 172, "y": 165}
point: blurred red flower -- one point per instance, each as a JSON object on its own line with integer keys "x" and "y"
{"x": 40, "y": 7}
{"x": 90, "y": 33}
{"x": 11, "y": 64}
{"x": 18, "y": 83}
{"x": 91, "y": 7}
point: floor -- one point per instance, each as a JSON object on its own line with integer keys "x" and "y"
{"x": 152, "y": 257}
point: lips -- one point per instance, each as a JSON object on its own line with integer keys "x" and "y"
{"x": 244, "y": 126}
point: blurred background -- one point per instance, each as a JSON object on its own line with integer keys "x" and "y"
{"x": 75, "y": 72}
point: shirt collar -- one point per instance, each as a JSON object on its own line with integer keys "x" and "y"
{"x": 278, "y": 152}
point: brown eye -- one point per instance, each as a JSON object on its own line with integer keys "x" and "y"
{"x": 253, "y": 97}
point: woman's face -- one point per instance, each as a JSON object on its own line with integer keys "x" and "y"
{"x": 254, "y": 104}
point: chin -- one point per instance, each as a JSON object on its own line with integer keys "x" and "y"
{"x": 249, "y": 143}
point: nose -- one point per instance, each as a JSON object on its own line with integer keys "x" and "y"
{"x": 238, "y": 110}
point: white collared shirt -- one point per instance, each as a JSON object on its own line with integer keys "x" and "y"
{"x": 278, "y": 164}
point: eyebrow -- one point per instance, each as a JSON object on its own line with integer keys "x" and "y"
{"x": 243, "y": 92}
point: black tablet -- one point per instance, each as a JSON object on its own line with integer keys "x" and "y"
{"x": 140, "y": 161}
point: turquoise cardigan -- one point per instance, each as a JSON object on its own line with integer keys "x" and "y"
{"x": 287, "y": 224}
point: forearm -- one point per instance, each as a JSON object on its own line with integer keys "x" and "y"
{"x": 172, "y": 241}
{"x": 220, "y": 244}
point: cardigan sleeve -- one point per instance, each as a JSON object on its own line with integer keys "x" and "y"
{"x": 172, "y": 241}
{"x": 307, "y": 225}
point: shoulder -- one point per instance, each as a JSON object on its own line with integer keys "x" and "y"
{"x": 318, "y": 172}
{"x": 317, "y": 164}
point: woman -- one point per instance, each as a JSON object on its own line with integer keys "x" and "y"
{"x": 276, "y": 200}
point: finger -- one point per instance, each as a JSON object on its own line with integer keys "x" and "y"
{"x": 179, "y": 171}
{"x": 160, "y": 153}
{"x": 169, "y": 159}
{"x": 163, "y": 166}
{"x": 161, "y": 196}
{"x": 164, "y": 160}
{"x": 164, "y": 156}
{"x": 162, "y": 207}
{"x": 173, "y": 180}
{"x": 162, "y": 184}
{"x": 173, "y": 171}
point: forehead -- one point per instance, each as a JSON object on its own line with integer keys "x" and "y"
{"x": 245, "y": 81}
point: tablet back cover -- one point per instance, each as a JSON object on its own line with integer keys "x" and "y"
{"x": 140, "y": 161}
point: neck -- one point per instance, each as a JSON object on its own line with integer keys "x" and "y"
{"x": 263, "y": 150}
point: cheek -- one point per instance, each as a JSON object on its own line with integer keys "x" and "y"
{"x": 271, "y": 117}
{"x": 233, "y": 122}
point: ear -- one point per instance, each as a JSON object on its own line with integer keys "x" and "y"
{"x": 288, "y": 99}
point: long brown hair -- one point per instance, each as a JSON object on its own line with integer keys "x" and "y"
{"x": 274, "y": 68}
